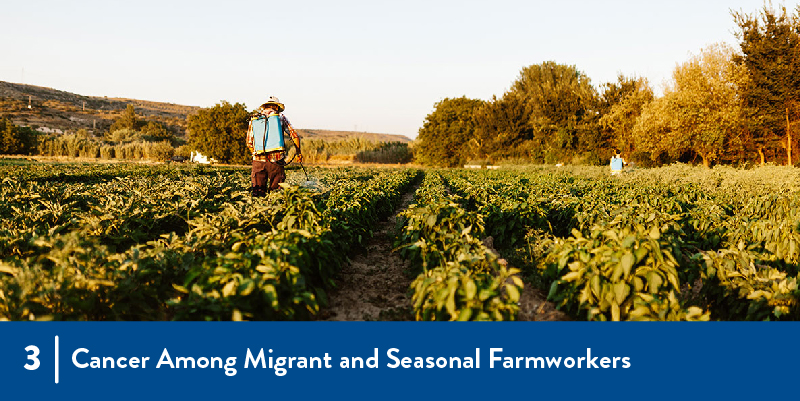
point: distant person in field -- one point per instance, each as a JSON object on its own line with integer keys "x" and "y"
{"x": 617, "y": 163}
{"x": 266, "y": 143}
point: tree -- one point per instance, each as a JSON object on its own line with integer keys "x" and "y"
{"x": 14, "y": 139}
{"x": 503, "y": 129}
{"x": 445, "y": 137}
{"x": 562, "y": 107}
{"x": 622, "y": 103}
{"x": 11, "y": 143}
{"x": 220, "y": 132}
{"x": 155, "y": 131}
{"x": 127, "y": 120}
{"x": 700, "y": 112}
{"x": 770, "y": 46}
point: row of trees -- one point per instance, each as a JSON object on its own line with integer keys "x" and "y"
{"x": 721, "y": 105}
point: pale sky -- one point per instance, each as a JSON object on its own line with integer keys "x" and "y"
{"x": 376, "y": 66}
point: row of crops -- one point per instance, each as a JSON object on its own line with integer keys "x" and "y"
{"x": 639, "y": 248}
{"x": 458, "y": 277}
{"x": 159, "y": 243}
{"x": 129, "y": 242}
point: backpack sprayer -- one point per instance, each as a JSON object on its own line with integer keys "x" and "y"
{"x": 261, "y": 127}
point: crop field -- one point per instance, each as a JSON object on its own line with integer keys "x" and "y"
{"x": 138, "y": 242}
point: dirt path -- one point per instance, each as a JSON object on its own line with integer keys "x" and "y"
{"x": 374, "y": 285}
{"x": 534, "y": 306}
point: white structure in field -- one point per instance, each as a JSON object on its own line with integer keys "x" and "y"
{"x": 196, "y": 157}
{"x": 46, "y": 130}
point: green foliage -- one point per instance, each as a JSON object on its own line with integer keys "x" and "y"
{"x": 461, "y": 278}
{"x": 618, "y": 275}
{"x": 124, "y": 135}
{"x": 132, "y": 242}
{"x": 220, "y": 132}
{"x": 14, "y": 139}
{"x": 386, "y": 152}
{"x": 444, "y": 137}
{"x": 622, "y": 105}
{"x": 571, "y": 229}
{"x": 89, "y": 242}
{"x": 128, "y": 120}
{"x": 456, "y": 292}
{"x": 732, "y": 276}
{"x": 503, "y": 127}
{"x": 156, "y": 131}
{"x": 770, "y": 46}
{"x": 701, "y": 112}
{"x": 561, "y": 104}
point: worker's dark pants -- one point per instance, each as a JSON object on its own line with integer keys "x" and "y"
{"x": 266, "y": 176}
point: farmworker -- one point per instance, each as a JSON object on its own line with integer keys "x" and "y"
{"x": 617, "y": 162}
{"x": 266, "y": 143}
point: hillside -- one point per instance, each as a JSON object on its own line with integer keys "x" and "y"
{"x": 58, "y": 111}
{"x": 329, "y": 135}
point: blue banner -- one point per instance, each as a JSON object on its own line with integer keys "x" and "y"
{"x": 396, "y": 360}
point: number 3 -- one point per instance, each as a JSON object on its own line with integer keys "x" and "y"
{"x": 35, "y": 350}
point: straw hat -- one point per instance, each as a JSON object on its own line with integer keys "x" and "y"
{"x": 273, "y": 101}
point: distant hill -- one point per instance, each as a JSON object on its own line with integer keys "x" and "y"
{"x": 329, "y": 135}
{"x": 60, "y": 111}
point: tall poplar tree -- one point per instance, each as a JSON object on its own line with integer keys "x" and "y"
{"x": 770, "y": 46}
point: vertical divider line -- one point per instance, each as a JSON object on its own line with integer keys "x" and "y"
{"x": 56, "y": 359}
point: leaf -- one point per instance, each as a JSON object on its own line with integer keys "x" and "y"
{"x": 471, "y": 289}
{"x": 617, "y": 273}
{"x": 431, "y": 220}
{"x": 553, "y": 290}
{"x": 5, "y": 268}
{"x": 620, "y": 292}
{"x": 614, "y": 312}
{"x": 229, "y": 288}
{"x": 513, "y": 293}
{"x": 572, "y": 276}
{"x": 465, "y": 314}
{"x": 627, "y": 263}
{"x": 654, "y": 282}
{"x": 596, "y": 285}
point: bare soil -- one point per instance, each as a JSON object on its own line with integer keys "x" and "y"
{"x": 534, "y": 306}
{"x": 374, "y": 286}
